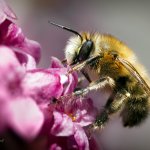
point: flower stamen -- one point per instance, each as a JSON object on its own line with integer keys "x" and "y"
{"x": 72, "y": 117}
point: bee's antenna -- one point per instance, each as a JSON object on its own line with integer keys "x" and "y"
{"x": 66, "y": 28}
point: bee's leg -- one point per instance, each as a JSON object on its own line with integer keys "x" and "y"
{"x": 80, "y": 80}
{"x": 81, "y": 65}
{"x": 86, "y": 75}
{"x": 113, "y": 105}
{"x": 136, "y": 110}
{"x": 95, "y": 85}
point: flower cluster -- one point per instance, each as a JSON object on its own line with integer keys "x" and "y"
{"x": 30, "y": 103}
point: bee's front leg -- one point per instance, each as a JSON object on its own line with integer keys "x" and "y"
{"x": 81, "y": 65}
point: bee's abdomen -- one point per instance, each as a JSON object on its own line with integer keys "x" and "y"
{"x": 135, "y": 110}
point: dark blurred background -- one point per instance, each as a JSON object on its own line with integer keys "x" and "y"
{"x": 127, "y": 20}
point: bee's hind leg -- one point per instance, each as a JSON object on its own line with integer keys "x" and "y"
{"x": 113, "y": 105}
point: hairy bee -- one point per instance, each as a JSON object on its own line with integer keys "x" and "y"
{"x": 114, "y": 65}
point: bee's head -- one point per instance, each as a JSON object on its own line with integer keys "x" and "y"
{"x": 78, "y": 48}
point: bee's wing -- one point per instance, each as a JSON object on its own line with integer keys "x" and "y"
{"x": 135, "y": 74}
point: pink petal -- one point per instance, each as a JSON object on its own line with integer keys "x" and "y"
{"x": 2, "y": 115}
{"x": 4, "y": 95}
{"x": 56, "y": 63}
{"x": 86, "y": 112}
{"x": 11, "y": 73}
{"x": 61, "y": 72}
{"x": 81, "y": 138}
{"x": 7, "y": 58}
{"x": 31, "y": 47}
{"x": 12, "y": 35}
{"x": 6, "y": 12}
{"x": 25, "y": 59}
{"x": 72, "y": 83}
{"x": 55, "y": 147}
{"x": 25, "y": 117}
{"x": 42, "y": 84}
{"x": 94, "y": 145}
{"x": 57, "y": 67}
{"x": 63, "y": 125}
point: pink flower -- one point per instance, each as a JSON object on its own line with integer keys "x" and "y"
{"x": 70, "y": 115}
{"x": 70, "y": 119}
{"x": 27, "y": 101}
{"x": 36, "y": 104}
{"x": 12, "y": 35}
{"x": 18, "y": 111}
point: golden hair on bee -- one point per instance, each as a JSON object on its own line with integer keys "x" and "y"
{"x": 115, "y": 65}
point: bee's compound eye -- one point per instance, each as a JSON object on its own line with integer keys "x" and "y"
{"x": 85, "y": 50}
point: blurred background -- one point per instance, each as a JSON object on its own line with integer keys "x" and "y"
{"x": 127, "y": 20}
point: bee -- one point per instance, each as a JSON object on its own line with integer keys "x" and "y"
{"x": 113, "y": 65}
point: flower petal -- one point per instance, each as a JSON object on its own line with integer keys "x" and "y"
{"x": 31, "y": 47}
{"x": 56, "y": 63}
{"x": 63, "y": 125}
{"x": 2, "y": 114}
{"x": 6, "y": 12}
{"x": 61, "y": 72}
{"x": 25, "y": 59}
{"x": 81, "y": 138}
{"x": 72, "y": 83}
{"x": 55, "y": 147}
{"x": 12, "y": 35}
{"x": 7, "y": 58}
{"x": 42, "y": 85}
{"x": 86, "y": 112}
{"x": 25, "y": 117}
{"x": 11, "y": 73}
